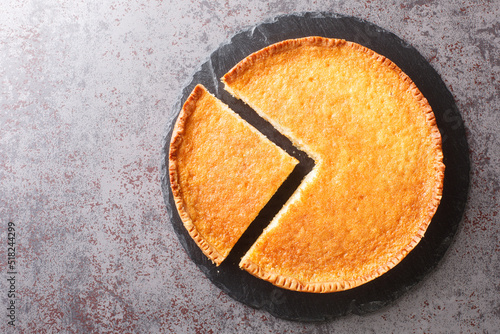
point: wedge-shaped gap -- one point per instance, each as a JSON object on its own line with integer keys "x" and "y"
{"x": 304, "y": 167}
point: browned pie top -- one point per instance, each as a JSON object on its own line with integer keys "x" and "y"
{"x": 222, "y": 172}
{"x": 378, "y": 176}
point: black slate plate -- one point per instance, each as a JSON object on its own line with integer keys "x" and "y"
{"x": 380, "y": 292}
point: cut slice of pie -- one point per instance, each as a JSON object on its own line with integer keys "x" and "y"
{"x": 379, "y": 173}
{"x": 222, "y": 172}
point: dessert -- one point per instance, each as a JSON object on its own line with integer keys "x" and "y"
{"x": 222, "y": 172}
{"x": 379, "y": 167}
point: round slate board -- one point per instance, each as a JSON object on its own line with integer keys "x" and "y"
{"x": 380, "y": 292}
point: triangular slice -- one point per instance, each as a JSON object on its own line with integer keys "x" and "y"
{"x": 379, "y": 173}
{"x": 222, "y": 172}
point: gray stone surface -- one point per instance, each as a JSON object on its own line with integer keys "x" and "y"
{"x": 87, "y": 88}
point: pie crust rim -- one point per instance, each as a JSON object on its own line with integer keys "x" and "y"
{"x": 176, "y": 140}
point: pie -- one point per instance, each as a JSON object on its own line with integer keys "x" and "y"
{"x": 222, "y": 172}
{"x": 378, "y": 174}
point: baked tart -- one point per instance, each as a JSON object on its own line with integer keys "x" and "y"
{"x": 378, "y": 174}
{"x": 222, "y": 172}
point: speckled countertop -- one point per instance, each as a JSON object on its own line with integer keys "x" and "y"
{"x": 87, "y": 88}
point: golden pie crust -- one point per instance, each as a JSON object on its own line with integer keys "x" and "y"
{"x": 222, "y": 172}
{"x": 379, "y": 169}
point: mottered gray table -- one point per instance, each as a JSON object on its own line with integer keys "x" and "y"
{"x": 87, "y": 91}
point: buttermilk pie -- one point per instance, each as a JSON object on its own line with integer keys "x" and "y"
{"x": 378, "y": 174}
{"x": 222, "y": 172}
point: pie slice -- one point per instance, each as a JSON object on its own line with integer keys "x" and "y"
{"x": 222, "y": 172}
{"x": 379, "y": 173}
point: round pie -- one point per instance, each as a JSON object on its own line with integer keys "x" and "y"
{"x": 378, "y": 174}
